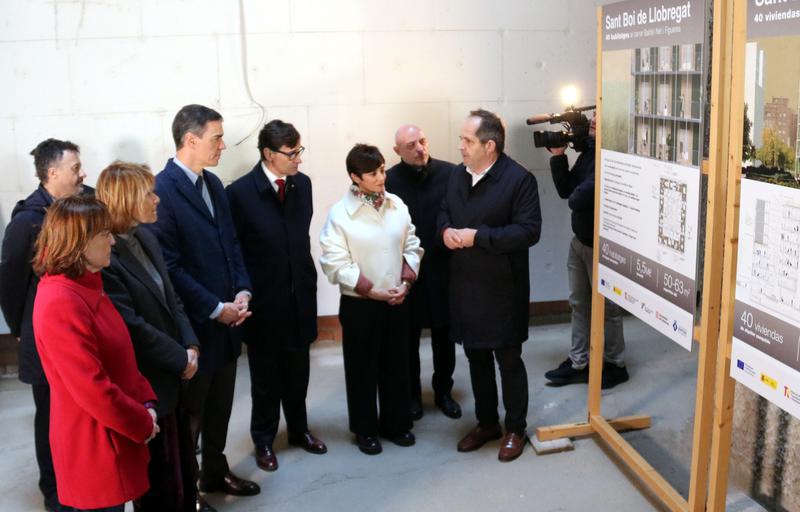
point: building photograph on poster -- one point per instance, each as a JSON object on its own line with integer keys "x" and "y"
{"x": 765, "y": 353}
{"x": 653, "y": 76}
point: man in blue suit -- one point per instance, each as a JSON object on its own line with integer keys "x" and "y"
{"x": 196, "y": 233}
{"x": 272, "y": 211}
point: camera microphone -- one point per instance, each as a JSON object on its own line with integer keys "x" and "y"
{"x": 539, "y": 118}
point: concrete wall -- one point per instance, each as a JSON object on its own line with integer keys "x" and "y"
{"x": 110, "y": 75}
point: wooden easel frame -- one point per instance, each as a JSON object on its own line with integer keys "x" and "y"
{"x": 707, "y": 333}
{"x": 723, "y": 383}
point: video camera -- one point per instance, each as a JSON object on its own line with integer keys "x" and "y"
{"x": 576, "y": 126}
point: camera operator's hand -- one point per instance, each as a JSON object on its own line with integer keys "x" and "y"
{"x": 557, "y": 151}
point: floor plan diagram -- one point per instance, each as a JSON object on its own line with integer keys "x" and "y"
{"x": 774, "y": 271}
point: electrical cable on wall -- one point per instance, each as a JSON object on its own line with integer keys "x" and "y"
{"x": 246, "y": 75}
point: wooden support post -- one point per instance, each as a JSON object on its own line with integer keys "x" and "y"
{"x": 597, "y": 331}
{"x": 714, "y": 251}
{"x": 621, "y": 424}
{"x": 636, "y": 462}
{"x": 723, "y": 383}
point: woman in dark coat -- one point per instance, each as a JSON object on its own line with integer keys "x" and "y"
{"x": 102, "y": 409}
{"x": 166, "y": 347}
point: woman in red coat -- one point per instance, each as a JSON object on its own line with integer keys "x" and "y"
{"x": 102, "y": 409}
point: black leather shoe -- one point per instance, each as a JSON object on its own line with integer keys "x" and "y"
{"x": 51, "y": 504}
{"x": 57, "y": 507}
{"x": 233, "y": 485}
{"x": 203, "y": 506}
{"x": 416, "y": 409}
{"x": 308, "y": 442}
{"x": 368, "y": 444}
{"x": 448, "y": 406}
{"x": 403, "y": 439}
{"x": 266, "y": 458}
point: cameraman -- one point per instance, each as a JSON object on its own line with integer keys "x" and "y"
{"x": 577, "y": 186}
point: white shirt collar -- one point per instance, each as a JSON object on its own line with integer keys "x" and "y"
{"x": 271, "y": 176}
{"x": 478, "y": 176}
{"x": 188, "y": 172}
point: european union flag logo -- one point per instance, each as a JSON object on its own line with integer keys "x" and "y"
{"x": 740, "y": 364}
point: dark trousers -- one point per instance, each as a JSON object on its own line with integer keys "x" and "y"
{"x": 444, "y": 361}
{"x": 208, "y": 400}
{"x": 514, "y": 380}
{"x": 277, "y": 377}
{"x": 374, "y": 344}
{"x": 172, "y": 470}
{"x": 41, "y": 437}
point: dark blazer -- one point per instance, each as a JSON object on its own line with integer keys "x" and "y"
{"x": 489, "y": 282}
{"x": 159, "y": 329}
{"x": 277, "y": 254}
{"x": 203, "y": 259}
{"x": 18, "y": 282}
{"x": 423, "y": 191}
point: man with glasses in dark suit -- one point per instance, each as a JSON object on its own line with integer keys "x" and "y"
{"x": 272, "y": 209}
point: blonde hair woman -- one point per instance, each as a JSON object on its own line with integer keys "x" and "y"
{"x": 166, "y": 347}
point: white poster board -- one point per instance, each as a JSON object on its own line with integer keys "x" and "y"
{"x": 765, "y": 354}
{"x": 652, "y": 134}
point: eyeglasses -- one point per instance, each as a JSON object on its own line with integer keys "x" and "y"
{"x": 291, "y": 155}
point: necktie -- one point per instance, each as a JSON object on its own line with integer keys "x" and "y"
{"x": 281, "y": 188}
{"x": 207, "y": 200}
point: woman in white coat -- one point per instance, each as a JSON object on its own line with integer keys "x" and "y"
{"x": 370, "y": 250}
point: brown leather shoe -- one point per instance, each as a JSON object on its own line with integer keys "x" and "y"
{"x": 512, "y": 447}
{"x": 266, "y": 459}
{"x": 478, "y": 437}
{"x": 308, "y": 442}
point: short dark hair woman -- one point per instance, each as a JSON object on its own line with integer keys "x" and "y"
{"x": 102, "y": 408}
{"x": 166, "y": 348}
{"x": 370, "y": 250}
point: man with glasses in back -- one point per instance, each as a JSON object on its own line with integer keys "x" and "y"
{"x": 272, "y": 211}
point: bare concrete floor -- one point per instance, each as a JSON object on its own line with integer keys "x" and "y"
{"x": 432, "y": 475}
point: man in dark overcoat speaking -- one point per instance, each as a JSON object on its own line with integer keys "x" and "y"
{"x": 489, "y": 219}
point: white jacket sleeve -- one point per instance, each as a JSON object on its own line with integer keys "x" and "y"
{"x": 336, "y": 260}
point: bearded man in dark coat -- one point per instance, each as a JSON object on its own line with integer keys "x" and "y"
{"x": 421, "y": 182}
